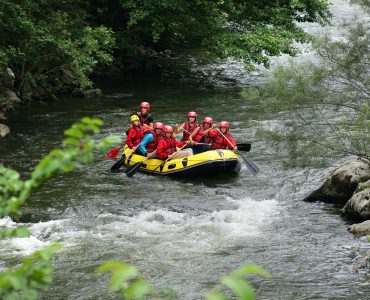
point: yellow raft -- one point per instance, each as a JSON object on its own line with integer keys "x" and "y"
{"x": 210, "y": 163}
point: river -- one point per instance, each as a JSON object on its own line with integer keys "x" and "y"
{"x": 185, "y": 234}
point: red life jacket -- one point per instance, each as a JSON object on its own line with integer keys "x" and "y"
{"x": 219, "y": 142}
{"x": 153, "y": 144}
{"x": 144, "y": 119}
{"x": 170, "y": 145}
{"x": 199, "y": 137}
{"x": 138, "y": 136}
{"x": 190, "y": 127}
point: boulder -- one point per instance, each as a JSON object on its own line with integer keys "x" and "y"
{"x": 358, "y": 207}
{"x": 2, "y": 116}
{"x": 12, "y": 96}
{"x": 67, "y": 77}
{"x": 8, "y": 78}
{"x": 342, "y": 182}
{"x": 4, "y": 130}
{"x": 360, "y": 229}
{"x": 88, "y": 93}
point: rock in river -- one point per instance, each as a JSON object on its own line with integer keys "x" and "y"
{"x": 360, "y": 229}
{"x": 4, "y": 130}
{"x": 358, "y": 207}
{"x": 342, "y": 182}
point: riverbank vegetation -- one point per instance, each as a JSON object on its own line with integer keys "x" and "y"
{"x": 327, "y": 100}
{"x": 43, "y": 42}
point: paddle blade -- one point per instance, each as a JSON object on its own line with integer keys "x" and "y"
{"x": 246, "y": 147}
{"x": 113, "y": 153}
{"x": 252, "y": 167}
{"x": 133, "y": 169}
{"x": 118, "y": 164}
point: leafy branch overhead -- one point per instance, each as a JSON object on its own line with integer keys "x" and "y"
{"x": 24, "y": 281}
{"x": 127, "y": 282}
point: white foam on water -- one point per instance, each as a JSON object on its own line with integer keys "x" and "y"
{"x": 6, "y": 222}
{"x": 247, "y": 219}
{"x": 27, "y": 245}
{"x": 42, "y": 235}
{"x": 164, "y": 231}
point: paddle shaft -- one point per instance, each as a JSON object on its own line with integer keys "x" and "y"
{"x": 130, "y": 172}
{"x": 250, "y": 165}
{"x": 162, "y": 164}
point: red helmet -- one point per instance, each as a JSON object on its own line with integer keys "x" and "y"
{"x": 208, "y": 120}
{"x": 192, "y": 114}
{"x": 145, "y": 105}
{"x": 158, "y": 125}
{"x": 167, "y": 129}
{"x": 225, "y": 124}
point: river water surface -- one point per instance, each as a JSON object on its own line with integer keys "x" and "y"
{"x": 184, "y": 234}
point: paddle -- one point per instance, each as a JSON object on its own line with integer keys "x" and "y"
{"x": 241, "y": 146}
{"x": 113, "y": 153}
{"x": 119, "y": 163}
{"x": 250, "y": 164}
{"x": 244, "y": 147}
{"x": 134, "y": 168}
{"x": 162, "y": 164}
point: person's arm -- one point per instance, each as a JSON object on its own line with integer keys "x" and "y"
{"x": 161, "y": 154}
{"x": 210, "y": 129}
{"x": 146, "y": 140}
{"x": 130, "y": 136}
{"x": 150, "y": 120}
{"x": 180, "y": 128}
{"x": 212, "y": 133}
{"x": 180, "y": 144}
{"x": 193, "y": 134}
{"x": 231, "y": 142}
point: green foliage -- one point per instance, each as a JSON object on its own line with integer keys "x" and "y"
{"x": 362, "y": 186}
{"x": 40, "y": 37}
{"x": 78, "y": 147}
{"x": 238, "y": 284}
{"x": 321, "y": 110}
{"x": 35, "y": 272}
{"x": 126, "y": 281}
{"x": 247, "y": 30}
{"x": 18, "y": 232}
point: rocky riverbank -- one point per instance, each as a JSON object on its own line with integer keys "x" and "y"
{"x": 349, "y": 187}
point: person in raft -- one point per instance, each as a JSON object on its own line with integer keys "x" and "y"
{"x": 150, "y": 141}
{"x": 188, "y": 127}
{"x": 146, "y": 119}
{"x": 167, "y": 146}
{"x": 200, "y": 136}
{"x": 221, "y": 139}
{"x": 136, "y": 132}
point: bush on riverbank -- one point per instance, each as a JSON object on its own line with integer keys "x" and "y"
{"x": 42, "y": 41}
{"x": 322, "y": 108}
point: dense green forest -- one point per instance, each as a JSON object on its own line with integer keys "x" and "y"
{"x": 42, "y": 41}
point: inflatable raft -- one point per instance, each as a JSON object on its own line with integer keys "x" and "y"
{"x": 210, "y": 163}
